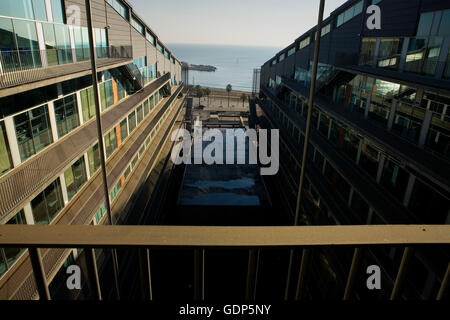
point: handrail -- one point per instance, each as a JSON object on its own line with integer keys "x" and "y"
{"x": 83, "y": 236}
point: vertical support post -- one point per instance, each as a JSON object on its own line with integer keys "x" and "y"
{"x": 252, "y": 274}
{"x": 307, "y": 131}
{"x": 352, "y": 273}
{"x": 39, "y": 274}
{"x": 392, "y": 114}
{"x": 302, "y": 274}
{"x": 199, "y": 274}
{"x": 145, "y": 273}
{"x": 100, "y": 136}
{"x": 425, "y": 127}
{"x": 93, "y": 273}
{"x": 401, "y": 273}
{"x": 443, "y": 288}
{"x": 368, "y": 102}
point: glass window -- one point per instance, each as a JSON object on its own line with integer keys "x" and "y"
{"x": 146, "y": 108}
{"x": 369, "y": 159}
{"x": 17, "y": 8}
{"x": 131, "y": 121}
{"x": 66, "y": 114}
{"x": 325, "y": 30}
{"x": 304, "y": 42}
{"x": 444, "y": 28}
{"x": 137, "y": 25}
{"x": 100, "y": 213}
{"x": 140, "y": 114}
{"x": 115, "y": 190}
{"x": 123, "y": 130}
{"x": 150, "y": 38}
{"x": 87, "y": 103}
{"x": 40, "y": 11}
{"x": 75, "y": 177}
{"x": 50, "y": 44}
{"x": 5, "y": 154}
{"x": 110, "y": 142}
{"x": 425, "y": 23}
{"x": 58, "y": 11}
{"x": 10, "y": 255}
{"x": 94, "y": 159}
{"x": 27, "y": 43}
{"x": 360, "y": 206}
{"x": 429, "y": 205}
{"x": 160, "y": 48}
{"x": 47, "y": 204}
{"x": 134, "y": 161}
{"x": 349, "y": 13}
{"x": 119, "y": 7}
{"x": 337, "y": 182}
{"x": 291, "y": 52}
{"x": 7, "y": 43}
{"x": 63, "y": 43}
{"x": 395, "y": 179}
{"x": 81, "y": 40}
{"x": 33, "y": 131}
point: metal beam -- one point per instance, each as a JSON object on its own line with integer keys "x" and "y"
{"x": 39, "y": 274}
{"x": 307, "y": 131}
{"x": 105, "y": 236}
{"x": 100, "y": 136}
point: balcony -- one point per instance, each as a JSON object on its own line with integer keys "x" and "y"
{"x": 22, "y": 70}
{"x": 409, "y": 60}
{"x": 202, "y": 241}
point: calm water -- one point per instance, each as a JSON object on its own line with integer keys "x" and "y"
{"x": 234, "y": 64}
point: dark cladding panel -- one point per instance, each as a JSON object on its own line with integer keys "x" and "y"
{"x": 346, "y": 38}
{"x": 302, "y": 57}
{"x": 289, "y": 66}
{"x": 398, "y": 18}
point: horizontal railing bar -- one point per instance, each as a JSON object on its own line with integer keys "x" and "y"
{"x": 84, "y": 236}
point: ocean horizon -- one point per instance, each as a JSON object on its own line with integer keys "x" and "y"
{"x": 234, "y": 63}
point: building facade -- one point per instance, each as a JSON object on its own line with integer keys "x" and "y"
{"x": 379, "y": 149}
{"x": 49, "y": 157}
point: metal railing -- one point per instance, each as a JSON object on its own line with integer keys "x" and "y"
{"x": 204, "y": 238}
{"x": 25, "y": 66}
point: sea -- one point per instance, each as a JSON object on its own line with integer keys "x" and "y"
{"x": 235, "y": 64}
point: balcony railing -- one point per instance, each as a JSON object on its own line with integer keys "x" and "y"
{"x": 25, "y": 66}
{"x": 201, "y": 239}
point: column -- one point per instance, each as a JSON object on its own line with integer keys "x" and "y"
{"x": 51, "y": 114}
{"x": 41, "y": 39}
{"x": 79, "y": 108}
{"x": 86, "y": 164}
{"x": 48, "y": 5}
{"x": 329, "y": 128}
{"x": 350, "y": 197}
{"x": 28, "y": 213}
{"x": 405, "y": 47}
{"x": 392, "y": 114}
{"x": 425, "y": 127}
{"x": 377, "y": 50}
{"x": 409, "y": 189}
{"x": 64, "y": 189}
{"x": 12, "y": 140}
{"x": 358, "y": 155}
{"x": 368, "y": 102}
{"x": 380, "y": 167}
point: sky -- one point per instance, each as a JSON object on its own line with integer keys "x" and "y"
{"x": 275, "y": 23}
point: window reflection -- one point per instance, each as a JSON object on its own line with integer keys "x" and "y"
{"x": 47, "y": 204}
